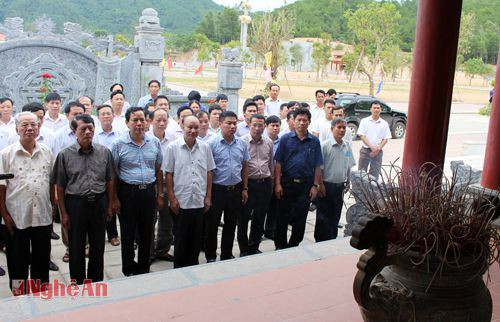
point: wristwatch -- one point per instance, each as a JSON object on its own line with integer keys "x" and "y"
{"x": 317, "y": 186}
{"x": 245, "y": 188}
{"x": 161, "y": 195}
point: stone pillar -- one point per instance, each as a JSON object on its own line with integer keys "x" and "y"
{"x": 108, "y": 73}
{"x": 229, "y": 82}
{"x": 151, "y": 47}
{"x": 431, "y": 88}
{"x": 491, "y": 166}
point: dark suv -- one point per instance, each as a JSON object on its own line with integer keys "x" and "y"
{"x": 357, "y": 107}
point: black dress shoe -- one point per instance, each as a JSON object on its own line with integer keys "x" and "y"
{"x": 269, "y": 236}
{"x": 53, "y": 266}
{"x": 167, "y": 257}
{"x": 211, "y": 260}
{"x": 243, "y": 254}
{"x": 54, "y": 236}
{"x": 226, "y": 258}
{"x": 2, "y": 272}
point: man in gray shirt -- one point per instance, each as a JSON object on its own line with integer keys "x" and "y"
{"x": 338, "y": 161}
{"x": 84, "y": 175}
{"x": 188, "y": 165}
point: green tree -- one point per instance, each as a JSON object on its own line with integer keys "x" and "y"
{"x": 268, "y": 31}
{"x": 100, "y": 33}
{"x": 296, "y": 56}
{"x": 467, "y": 22}
{"x": 207, "y": 49}
{"x": 475, "y": 66}
{"x": 374, "y": 27}
{"x": 322, "y": 52}
{"x": 207, "y": 26}
{"x": 393, "y": 60}
{"x": 179, "y": 42}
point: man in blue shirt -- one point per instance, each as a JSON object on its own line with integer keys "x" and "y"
{"x": 138, "y": 160}
{"x": 229, "y": 188}
{"x": 154, "y": 87}
{"x": 297, "y": 179}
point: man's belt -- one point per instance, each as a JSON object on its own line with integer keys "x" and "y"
{"x": 228, "y": 188}
{"x": 298, "y": 179}
{"x": 92, "y": 197}
{"x": 140, "y": 186}
{"x": 260, "y": 180}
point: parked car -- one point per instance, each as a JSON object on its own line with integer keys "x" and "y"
{"x": 357, "y": 107}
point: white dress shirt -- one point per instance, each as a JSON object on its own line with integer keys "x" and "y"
{"x": 56, "y": 124}
{"x": 9, "y": 127}
{"x": 273, "y": 107}
{"x": 64, "y": 138}
{"x": 28, "y": 193}
{"x": 374, "y": 131}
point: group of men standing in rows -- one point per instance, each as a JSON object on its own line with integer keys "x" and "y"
{"x": 141, "y": 164}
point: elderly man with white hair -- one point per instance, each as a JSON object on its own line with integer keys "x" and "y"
{"x": 26, "y": 206}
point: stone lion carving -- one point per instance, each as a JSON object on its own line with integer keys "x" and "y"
{"x": 230, "y": 54}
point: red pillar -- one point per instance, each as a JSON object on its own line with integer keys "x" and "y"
{"x": 491, "y": 166}
{"x": 433, "y": 72}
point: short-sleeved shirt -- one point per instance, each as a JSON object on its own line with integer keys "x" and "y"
{"x": 143, "y": 101}
{"x": 56, "y": 124}
{"x": 173, "y": 130}
{"x": 9, "y": 127}
{"x": 261, "y": 161}
{"x": 106, "y": 138}
{"x": 4, "y": 136}
{"x": 317, "y": 113}
{"x": 64, "y": 137}
{"x": 136, "y": 164}
{"x": 272, "y": 107}
{"x": 338, "y": 160}
{"x": 228, "y": 159}
{"x": 83, "y": 173}
{"x": 374, "y": 131}
{"x": 299, "y": 158}
{"x": 242, "y": 129}
{"x": 190, "y": 168}
{"x": 119, "y": 123}
{"x": 27, "y": 194}
{"x": 325, "y": 133}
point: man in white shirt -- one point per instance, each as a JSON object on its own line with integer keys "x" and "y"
{"x": 323, "y": 128}
{"x": 204, "y": 134}
{"x": 188, "y": 166}
{"x": 117, "y": 103}
{"x": 154, "y": 87}
{"x": 164, "y": 237}
{"x": 7, "y": 122}
{"x": 54, "y": 120}
{"x": 317, "y": 112}
{"x": 106, "y": 135}
{"x": 213, "y": 114}
{"x": 243, "y": 128}
{"x": 88, "y": 104}
{"x": 273, "y": 102}
{"x": 26, "y": 206}
{"x": 65, "y": 137}
{"x": 174, "y": 130}
{"x": 374, "y": 132}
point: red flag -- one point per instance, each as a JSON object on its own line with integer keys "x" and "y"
{"x": 198, "y": 70}
{"x": 169, "y": 63}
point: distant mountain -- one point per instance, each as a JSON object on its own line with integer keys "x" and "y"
{"x": 113, "y": 16}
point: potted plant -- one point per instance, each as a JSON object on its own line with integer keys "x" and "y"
{"x": 429, "y": 244}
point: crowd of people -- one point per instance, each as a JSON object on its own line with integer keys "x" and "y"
{"x": 172, "y": 181}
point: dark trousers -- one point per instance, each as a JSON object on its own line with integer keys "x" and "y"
{"x": 111, "y": 228}
{"x": 86, "y": 218}
{"x": 188, "y": 231}
{"x": 259, "y": 195}
{"x": 271, "y": 216}
{"x": 28, "y": 254}
{"x": 228, "y": 200}
{"x": 164, "y": 236}
{"x": 293, "y": 209}
{"x": 329, "y": 211}
{"x": 375, "y": 163}
{"x": 137, "y": 211}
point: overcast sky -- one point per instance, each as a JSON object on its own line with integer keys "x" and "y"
{"x": 257, "y": 5}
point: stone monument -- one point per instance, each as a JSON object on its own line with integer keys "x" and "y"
{"x": 230, "y": 77}
{"x": 245, "y": 20}
{"x": 79, "y": 63}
